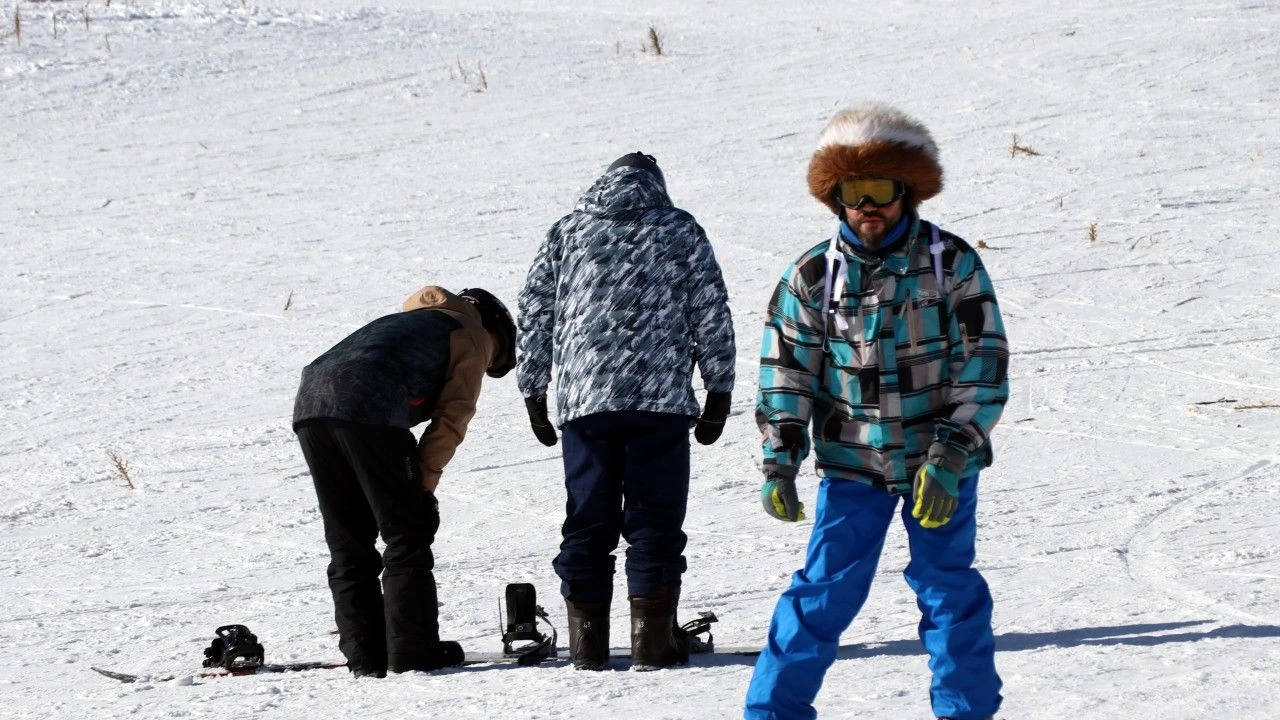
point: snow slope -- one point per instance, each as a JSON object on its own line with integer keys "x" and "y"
{"x": 196, "y": 198}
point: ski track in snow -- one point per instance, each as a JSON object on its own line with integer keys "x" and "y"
{"x": 1143, "y": 556}
{"x": 199, "y": 196}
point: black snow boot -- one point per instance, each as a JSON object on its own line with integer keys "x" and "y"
{"x": 588, "y": 634}
{"x": 656, "y": 639}
{"x": 438, "y": 655}
{"x": 366, "y": 671}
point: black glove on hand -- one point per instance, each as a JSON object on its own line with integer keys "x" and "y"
{"x": 542, "y": 427}
{"x": 711, "y": 424}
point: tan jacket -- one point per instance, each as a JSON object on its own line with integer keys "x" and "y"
{"x": 471, "y": 350}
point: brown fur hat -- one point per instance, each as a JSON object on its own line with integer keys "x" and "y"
{"x": 875, "y": 141}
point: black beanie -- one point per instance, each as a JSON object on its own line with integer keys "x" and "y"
{"x": 497, "y": 319}
{"x": 639, "y": 160}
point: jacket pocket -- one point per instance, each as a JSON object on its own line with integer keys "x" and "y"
{"x": 924, "y": 321}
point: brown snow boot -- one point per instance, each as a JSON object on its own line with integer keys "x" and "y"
{"x": 588, "y": 634}
{"x": 656, "y": 639}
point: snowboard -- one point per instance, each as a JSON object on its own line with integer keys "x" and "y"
{"x": 220, "y": 672}
{"x": 619, "y": 655}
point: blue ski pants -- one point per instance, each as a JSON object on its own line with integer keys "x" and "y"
{"x": 626, "y": 475}
{"x": 955, "y": 605}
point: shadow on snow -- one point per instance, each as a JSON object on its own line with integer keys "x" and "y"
{"x": 1141, "y": 635}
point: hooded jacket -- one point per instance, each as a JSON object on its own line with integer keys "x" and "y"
{"x": 919, "y": 373}
{"x": 624, "y": 297}
{"x": 425, "y": 363}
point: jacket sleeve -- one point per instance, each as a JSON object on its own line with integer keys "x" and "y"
{"x": 979, "y": 357}
{"x": 537, "y": 305}
{"x": 790, "y": 367}
{"x": 468, "y": 358}
{"x": 710, "y": 318}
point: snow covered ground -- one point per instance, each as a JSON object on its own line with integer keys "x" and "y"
{"x": 196, "y": 198}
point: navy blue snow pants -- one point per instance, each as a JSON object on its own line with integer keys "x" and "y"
{"x": 824, "y": 597}
{"x": 627, "y": 474}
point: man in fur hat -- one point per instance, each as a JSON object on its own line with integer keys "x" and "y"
{"x": 885, "y": 353}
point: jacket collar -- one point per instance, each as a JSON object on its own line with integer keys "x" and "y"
{"x": 905, "y": 234}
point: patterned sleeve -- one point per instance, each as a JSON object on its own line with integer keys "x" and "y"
{"x": 710, "y": 318}
{"x": 979, "y": 367}
{"x": 790, "y": 366}
{"x": 536, "y": 305}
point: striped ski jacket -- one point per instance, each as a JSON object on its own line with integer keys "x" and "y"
{"x": 918, "y": 372}
{"x": 624, "y": 297}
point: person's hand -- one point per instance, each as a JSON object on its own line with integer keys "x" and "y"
{"x": 431, "y": 513}
{"x": 936, "y": 492}
{"x": 714, "y": 413}
{"x": 538, "y": 420}
{"x": 778, "y": 495}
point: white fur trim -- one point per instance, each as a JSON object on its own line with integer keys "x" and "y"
{"x": 858, "y": 126}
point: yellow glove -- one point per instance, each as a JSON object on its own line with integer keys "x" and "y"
{"x": 936, "y": 492}
{"x": 778, "y": 496}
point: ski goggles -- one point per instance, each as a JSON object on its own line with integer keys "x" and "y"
{"x": 879, "y": 192}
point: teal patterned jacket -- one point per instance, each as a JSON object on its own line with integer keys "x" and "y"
{"x": 920, "y": 373}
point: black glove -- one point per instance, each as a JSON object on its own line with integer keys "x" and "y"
{"x": 542, "y": 427}
{"x": 431, "y": 514}
{"x": 714, "y": 412}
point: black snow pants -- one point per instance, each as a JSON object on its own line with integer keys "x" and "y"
{"x": 368, "y": 483}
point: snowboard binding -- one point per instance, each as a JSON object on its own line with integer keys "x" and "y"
{"x": 694, "y": 630}
{"x": 235, "y": 648}
{"x": 523, "y": 612}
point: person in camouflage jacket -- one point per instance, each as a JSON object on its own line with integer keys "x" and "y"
{"x": 885, "y": 354}
{"x": 624, "y": 299}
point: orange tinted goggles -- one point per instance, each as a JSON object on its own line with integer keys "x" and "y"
{"x": 854, "y": 192}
